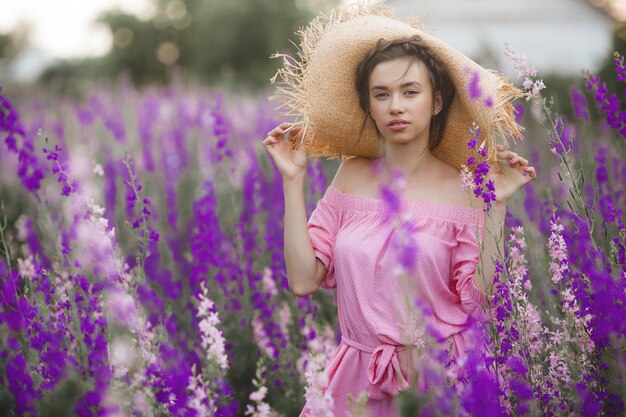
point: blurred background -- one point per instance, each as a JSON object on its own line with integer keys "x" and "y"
{"x": 173, "y": 94}
{"x": 228, "y": 43}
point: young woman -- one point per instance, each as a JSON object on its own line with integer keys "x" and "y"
{"x": 409, "y": 94}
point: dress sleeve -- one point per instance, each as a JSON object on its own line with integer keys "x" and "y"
{"x": 323, "y": 226}
{"x": 465, "y": 259}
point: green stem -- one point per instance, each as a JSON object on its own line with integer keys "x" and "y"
{"x": 144, "y": 237}
{"x": 3, "y": 226}
{"x": 576, "y": 191}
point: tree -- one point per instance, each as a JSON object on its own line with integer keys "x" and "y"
{"x": 218, "y": 41}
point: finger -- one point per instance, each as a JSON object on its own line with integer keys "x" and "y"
{"x": 294, "y": 135}
{"x": 281, "y": 129}
{"x": 506, "y": 154}
{"x": 269, "y": 140}
{"x": 288, "y": 133}
{"x": 512, "y": 158}
{"x": 518, "y": 160}
{"x": 531, "y": 172}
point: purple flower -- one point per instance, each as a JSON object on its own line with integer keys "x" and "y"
{"x": 589, "y": 404}
{"x": 482, "y": 168}
{"x": 404, "y": 237}
{"x": 609, "y": 104}
{"x": 517, "y": 365}
{"x": 60, "y": 169}
{"x": 29, "y": 169}
{"x": 392, "y": 200}
{"x": 580, "y": 104}
{"x": 479, "y": 172}
{"x": 115, "y": 125}
{"x": 21, "y": 385}
{"x": 473, "y": 142}
{"x": 148, "y": 112}
{"x": 207, "y": 242}
{"x": 565, "y": 139}
{"x": 474, "y": 87}
{"x": 620, "y": 69}
{"x": 220, "y": 131}
{"x": 481, "y": 397}
{"x": 602, "y": 175}
{"x": 520, "y": 388}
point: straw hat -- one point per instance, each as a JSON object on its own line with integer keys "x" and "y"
{"x": 319, "y": 87}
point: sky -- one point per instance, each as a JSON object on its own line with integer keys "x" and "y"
{"x": 65, "y": 28}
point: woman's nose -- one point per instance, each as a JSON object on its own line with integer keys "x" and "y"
{"x": 396, "y": 105}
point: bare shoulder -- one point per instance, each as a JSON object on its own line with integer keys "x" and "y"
{"x": 351, "y": 171}
{"x": 452, "y": 185}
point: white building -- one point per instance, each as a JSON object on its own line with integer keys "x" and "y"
{"x": 557, "y": 36}
{"x": 26, "y": 67}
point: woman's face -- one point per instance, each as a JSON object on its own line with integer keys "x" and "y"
{"x": 401, "y": 100}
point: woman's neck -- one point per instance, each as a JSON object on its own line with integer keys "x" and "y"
{"x": 411, "y": 161}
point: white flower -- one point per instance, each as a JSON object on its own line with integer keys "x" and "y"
{"x": 212, "y": 337}
{"x": 284, "y": 318}
{"x": 21, "y": 227}
{"x": 121, "y": 355}
{"x": 97, "y": 169}
{"x": 259, "y": 394}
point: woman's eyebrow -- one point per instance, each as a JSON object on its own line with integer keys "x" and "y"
{"x": 403, "y": 85}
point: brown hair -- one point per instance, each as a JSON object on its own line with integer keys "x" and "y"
{"x": 412, "y": 48}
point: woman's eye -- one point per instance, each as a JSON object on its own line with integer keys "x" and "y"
{"x": 410, "y": 92}
{"x": 380, "y": 95}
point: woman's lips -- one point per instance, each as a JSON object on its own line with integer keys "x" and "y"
{"x": 397, "y": 125}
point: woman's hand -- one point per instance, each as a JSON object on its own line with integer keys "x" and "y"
{"x": 284, "y": 144}
{"x": 514, "y": 174}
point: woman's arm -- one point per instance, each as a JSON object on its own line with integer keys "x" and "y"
{"x": 493, "y": 245}
{"x": 304, "y": 271}
{"x": 513, "y": 174}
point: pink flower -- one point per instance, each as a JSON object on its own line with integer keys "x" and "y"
{"x": 202, "y": 397}
{"x": 26, "y": 268}
{"x": 557, "y": 250}
{"x": 467, "y": 179}
{"x": 269, "y": 286}
{"x": 527, "y": 84}
{"x": 321, "y": 348}
{"x": 284, "y": 315}
{"x": 319, "y": 401}
{"x": 538, "y": 85}
{"x": 520, "y": 63}
{"x": 261, "y": 339}
{"x": 530, "y": 85}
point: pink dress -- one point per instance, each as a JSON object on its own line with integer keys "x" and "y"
{"x": 350, "y": 238}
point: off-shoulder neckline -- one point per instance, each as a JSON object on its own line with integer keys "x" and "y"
{"x": 442, "y": 211}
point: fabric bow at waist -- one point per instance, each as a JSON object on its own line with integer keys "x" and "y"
{"x": 383, "y": 370}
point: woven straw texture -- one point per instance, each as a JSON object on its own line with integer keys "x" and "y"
{"x": 319, "y": 88}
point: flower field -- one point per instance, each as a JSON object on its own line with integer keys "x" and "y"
{"x": 142, "y": 268}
